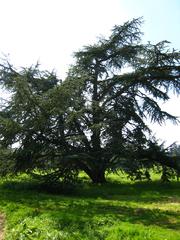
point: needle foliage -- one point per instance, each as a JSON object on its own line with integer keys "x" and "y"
{"x": 95, "y": 120}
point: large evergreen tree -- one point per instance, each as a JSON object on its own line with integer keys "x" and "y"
{"x": 95, "y": 120}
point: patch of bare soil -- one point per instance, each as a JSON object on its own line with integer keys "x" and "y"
{"x": 2, "y": 219}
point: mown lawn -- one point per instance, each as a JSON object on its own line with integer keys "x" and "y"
{"x": 119, "y": 210}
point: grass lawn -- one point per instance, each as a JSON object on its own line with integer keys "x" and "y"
{"x": 119, "y": 210}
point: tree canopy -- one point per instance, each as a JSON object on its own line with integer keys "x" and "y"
{"x": 95, "y": 120}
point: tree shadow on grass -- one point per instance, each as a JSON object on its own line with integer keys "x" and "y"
{"x": 95, "y": 205}
{"x": 141, "y": 192}
{"x": 98, "y": 213}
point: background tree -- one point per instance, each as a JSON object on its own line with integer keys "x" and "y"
{"x": 95, "y": 120}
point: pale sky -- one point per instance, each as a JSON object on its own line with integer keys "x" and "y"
{"x": 49, "y": 31}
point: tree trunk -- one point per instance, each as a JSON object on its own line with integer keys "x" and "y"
{"x": 97, "y": 175}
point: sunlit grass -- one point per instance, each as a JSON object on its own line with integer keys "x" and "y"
{"x": 119, "y": 210}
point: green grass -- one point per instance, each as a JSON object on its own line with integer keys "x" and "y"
{"x": 119, "y": 210}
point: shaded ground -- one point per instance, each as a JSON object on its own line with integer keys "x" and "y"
{"x": 116, "y": 210}
{"x": 1, "y": 226}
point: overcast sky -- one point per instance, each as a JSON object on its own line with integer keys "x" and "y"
{"x": 49, "y": 31}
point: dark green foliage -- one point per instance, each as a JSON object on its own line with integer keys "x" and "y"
{"x": 95, "y": 119}
{"x": 6, "y": 161}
